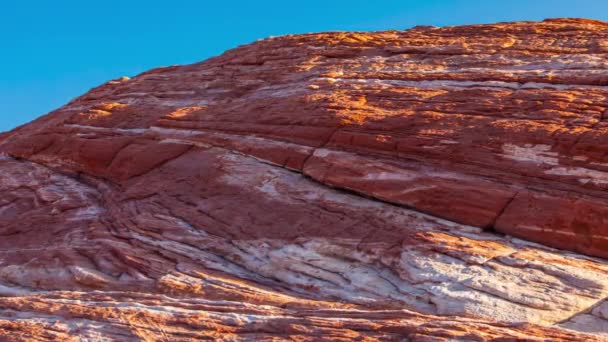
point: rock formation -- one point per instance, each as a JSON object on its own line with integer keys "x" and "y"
{"x": 429, "y": 184}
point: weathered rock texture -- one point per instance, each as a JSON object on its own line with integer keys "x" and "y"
{"x": 346, "y": 186}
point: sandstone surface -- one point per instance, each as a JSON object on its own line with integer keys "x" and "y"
{"x": 426, "y": 185}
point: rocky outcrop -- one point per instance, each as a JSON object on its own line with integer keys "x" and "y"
{"x": 428, "y": 184}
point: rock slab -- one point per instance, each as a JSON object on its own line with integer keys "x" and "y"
{"x": 429, "y": 184}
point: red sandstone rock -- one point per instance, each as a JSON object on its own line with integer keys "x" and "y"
{"x": 331, "y": 186}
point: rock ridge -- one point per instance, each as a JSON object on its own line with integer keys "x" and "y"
{"x": 429, "y": 184}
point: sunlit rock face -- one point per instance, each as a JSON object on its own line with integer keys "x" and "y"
{"x": 426, "y": 185}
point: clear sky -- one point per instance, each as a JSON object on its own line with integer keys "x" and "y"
{"x": 55, "y": 50}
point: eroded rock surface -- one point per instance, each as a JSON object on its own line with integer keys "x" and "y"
{"x": 430, "y": 184}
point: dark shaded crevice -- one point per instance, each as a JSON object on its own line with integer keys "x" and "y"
{"x": 587, "y": 311}
{"x": 322, "y": 145}
{"x": 111, "y": 161}
{"x": 492, "y": 226}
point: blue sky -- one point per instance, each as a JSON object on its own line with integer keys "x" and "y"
{"x": 53, "y": 51}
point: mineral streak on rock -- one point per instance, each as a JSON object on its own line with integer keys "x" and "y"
{"x": 429, "y": 184}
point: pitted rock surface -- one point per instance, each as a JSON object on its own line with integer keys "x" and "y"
{"x": 429, "y": 184}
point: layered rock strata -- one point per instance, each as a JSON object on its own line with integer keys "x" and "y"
{"x": 429, "y": 184}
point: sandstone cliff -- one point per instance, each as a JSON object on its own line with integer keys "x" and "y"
{"x": 429, "y": 184}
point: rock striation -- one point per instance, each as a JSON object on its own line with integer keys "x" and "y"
{"x": 425, "y": 185}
